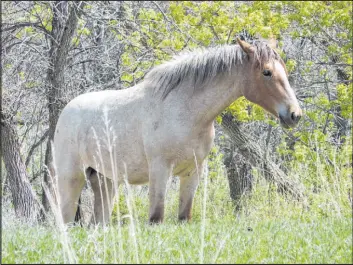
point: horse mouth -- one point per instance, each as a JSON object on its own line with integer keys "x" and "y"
{"x": 283, "y": 123}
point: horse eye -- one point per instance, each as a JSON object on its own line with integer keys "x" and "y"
{"x": 267, "y": 73}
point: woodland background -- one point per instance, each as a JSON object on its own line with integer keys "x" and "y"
{"x": 52, "y": 51}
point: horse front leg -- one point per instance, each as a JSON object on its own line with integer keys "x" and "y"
{"x": 188, "y": 186}
{"x": 159, "y": 172}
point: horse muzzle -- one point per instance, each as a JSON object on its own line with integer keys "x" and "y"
{"x": 290, "y": 119}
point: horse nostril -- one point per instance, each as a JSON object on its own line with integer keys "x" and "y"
{"x": 295, "y": 117}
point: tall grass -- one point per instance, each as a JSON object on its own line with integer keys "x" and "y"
{"x": 269, "y": 227}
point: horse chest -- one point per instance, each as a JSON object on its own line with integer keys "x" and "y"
{"x": 195, "y": 145}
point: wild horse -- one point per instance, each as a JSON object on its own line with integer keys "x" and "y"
{"x": 163, "y": 126}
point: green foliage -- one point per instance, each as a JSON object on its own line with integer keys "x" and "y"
{"x": 84, "y": 31}
{"x": 22, "y": 75}
{"x": 215, "y": 160}
{"x": 291, "y": 64}
{"x": 344, "y": 99}
{"x": 43, "y": 14}
{"x": 31, "y": 84}
{"x": 205, "y": 23}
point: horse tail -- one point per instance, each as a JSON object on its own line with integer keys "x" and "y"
{"x": 78, "y": 216}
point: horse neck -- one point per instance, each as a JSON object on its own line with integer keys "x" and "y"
{"x": 216, "y": 96}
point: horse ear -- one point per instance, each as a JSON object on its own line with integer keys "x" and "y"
{"x": 272, "y": 42}
{"x": 245, "y": 46}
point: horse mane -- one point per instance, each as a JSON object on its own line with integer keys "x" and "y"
{"x": 203, "y": 64}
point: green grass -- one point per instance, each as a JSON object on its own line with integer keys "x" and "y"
{"x": 273, "y": 240}
{"x": 269, "y": 228}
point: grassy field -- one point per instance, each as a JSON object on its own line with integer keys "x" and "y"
{"x": 269, "y": 228}
{"x": 274, "y": 240}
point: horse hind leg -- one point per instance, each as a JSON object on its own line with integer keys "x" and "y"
{"x": 69, "y": 184}
{"x": 79, "y": 215}
{"x": 103, "y": 191}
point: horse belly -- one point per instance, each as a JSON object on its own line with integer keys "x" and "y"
{"x": 132, "y": 161}
{"x": 138, "y": 178}
{"x": 126, "y": 162}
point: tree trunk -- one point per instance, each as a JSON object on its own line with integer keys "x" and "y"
{"x": 62, "y": 34}
{"x": 239, "y": 176}
{"x": 23, "y": 197}
{"x": 248, "y": 148}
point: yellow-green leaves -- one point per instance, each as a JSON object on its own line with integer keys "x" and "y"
{"x": 344, "y": 98}
{"x": 84, "y": 31}
{"x": 177, "y": 11}
{"x": 75, "y": 41}
{"x": 21, "y": 75}
{"x": 194, "y": 24}
{"x": 29, "y": 30}
{"x": 127, "y": 77}
{"x": 291, "y": 64}
{"x": 42, "y": 14}
{"x": 125, "y": 59}
{"x": 246, "y": 111}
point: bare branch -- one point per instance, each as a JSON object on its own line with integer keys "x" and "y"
{"x": 336, "y": 64}
{"x": 25, "y": 24}
{"x": 30, "y": 153}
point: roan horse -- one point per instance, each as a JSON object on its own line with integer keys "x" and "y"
{"x": 163, "y": 126}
